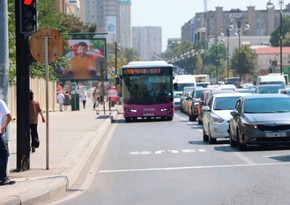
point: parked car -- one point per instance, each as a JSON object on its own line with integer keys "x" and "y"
{"x": 216, "y": 116}
{"x": 260, "y": 119}
{"x": 176, "y": 99}
{"x": 269, "y": 88}
{"x": 195, "y": 99}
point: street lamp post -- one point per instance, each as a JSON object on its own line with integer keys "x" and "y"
{"x": 247, "y": 27}
{"x": 281, "y": 2}
{"x": 116, "y": 57}
{"x": 239, "y": 33}
{"x": 228, "y": 50}
{"x": 216, "y": 60}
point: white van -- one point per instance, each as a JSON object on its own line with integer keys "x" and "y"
{"x": 273, "y": 78}
{"x": 181, "y": 81}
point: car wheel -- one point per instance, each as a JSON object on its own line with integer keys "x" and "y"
{"x": 199, "y": 122}
{"x": 241, "y": 146}
{"x": 233, "y": 143}
{"x": 211, "y": 140}
{"x": 205, "y": 136}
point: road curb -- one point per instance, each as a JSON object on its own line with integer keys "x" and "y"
{"x": 74, "y": 163}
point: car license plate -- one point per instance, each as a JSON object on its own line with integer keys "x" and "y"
{"x": 276, "y": 134}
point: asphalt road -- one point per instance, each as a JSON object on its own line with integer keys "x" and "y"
{"x": 167, "y": 162}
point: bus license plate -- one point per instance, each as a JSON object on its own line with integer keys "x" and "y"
{"x": 276, "y": 134}
{"x": 148, "y": 114}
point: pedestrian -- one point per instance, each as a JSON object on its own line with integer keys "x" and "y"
{"x": 84, "y": 98}
{"x": 4, "y": 152}
{"x": 34, "y": 111}
{"x": 95, "y": 99}
{"x": 67, "y": 99}
{"x": 60, "y": 98}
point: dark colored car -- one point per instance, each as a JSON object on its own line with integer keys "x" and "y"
{"x": 260, "y": 119}
{"x": 195, "y": 98}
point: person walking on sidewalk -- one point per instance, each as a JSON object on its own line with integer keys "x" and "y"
{"x": 4, "y": 152}
{"x": 60, "y": 99}
{"x": 84, "y": 98}
{"x": 34, "y": 111}
{"x": 67, "y": 99}
{"x": 95, "y": 99}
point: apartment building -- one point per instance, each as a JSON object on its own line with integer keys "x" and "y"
{"x": 147, "y": 41}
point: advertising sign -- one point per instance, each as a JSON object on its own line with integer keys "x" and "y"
{"x": 82, "y": 55}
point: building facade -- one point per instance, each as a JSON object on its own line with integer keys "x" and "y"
{"x": 147, "y": 41}
{"x": 214, "y": 23}
{"x": 125, "y": 24}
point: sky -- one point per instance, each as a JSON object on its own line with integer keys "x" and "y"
{"x": 171, "y": 15}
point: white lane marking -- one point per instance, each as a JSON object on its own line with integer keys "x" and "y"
{"x": 274, "y": 155}
{"x": 194, "y": 167}
{"x": 158, "y": 152}
{"x": 244, "y": 158}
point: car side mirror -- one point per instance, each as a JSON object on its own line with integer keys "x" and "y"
{"x": 234, "y": 113}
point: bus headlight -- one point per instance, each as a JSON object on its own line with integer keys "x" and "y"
{"x": 129, "y": 110}
{"x": 166, "y": 109}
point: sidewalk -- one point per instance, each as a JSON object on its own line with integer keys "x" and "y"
{"x": 73, "y": 135}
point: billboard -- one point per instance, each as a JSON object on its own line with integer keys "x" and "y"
{"x": 83, "y": 56}
{"x": 111, "y": 27}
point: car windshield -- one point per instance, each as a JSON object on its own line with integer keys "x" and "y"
{"x": 267, "y": 105}
{"x": 225, "y": 103}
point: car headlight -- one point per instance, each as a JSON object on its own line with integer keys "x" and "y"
{"x": 216, "y": 118}
{"x": 244, "y": 123}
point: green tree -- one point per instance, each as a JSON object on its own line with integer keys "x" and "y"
{"x": 243, "y": 62}
{"x": 275, "y": 35}
{"x": 215, "y": 60}
{"x": 47, "y": 18}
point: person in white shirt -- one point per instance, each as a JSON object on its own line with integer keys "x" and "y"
{"x": 60, "y": 98}
{"x": 84, "y": 98}
{"x": 4, "y": 152}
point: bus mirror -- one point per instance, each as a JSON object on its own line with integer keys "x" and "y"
{"x": 175, "y": 86}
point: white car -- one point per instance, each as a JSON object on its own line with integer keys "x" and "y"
{"x": 216, "y": 115}
{"x": 176, "y": 99}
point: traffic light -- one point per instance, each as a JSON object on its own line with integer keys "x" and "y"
{"x": 28, "y": 16}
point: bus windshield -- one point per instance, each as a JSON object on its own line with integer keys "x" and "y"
{"x": 147, "y": 86}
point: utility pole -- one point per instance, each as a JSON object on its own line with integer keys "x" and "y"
{"x": 4, "y": 58}
{"x": 22, "y": 77}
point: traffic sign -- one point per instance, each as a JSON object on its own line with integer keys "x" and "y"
{"x": 55, "y": 45}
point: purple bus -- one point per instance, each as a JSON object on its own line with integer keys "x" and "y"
{"x": 147, "y": 90}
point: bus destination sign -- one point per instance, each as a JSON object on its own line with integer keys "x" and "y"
{"x": 135, "y": 71}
